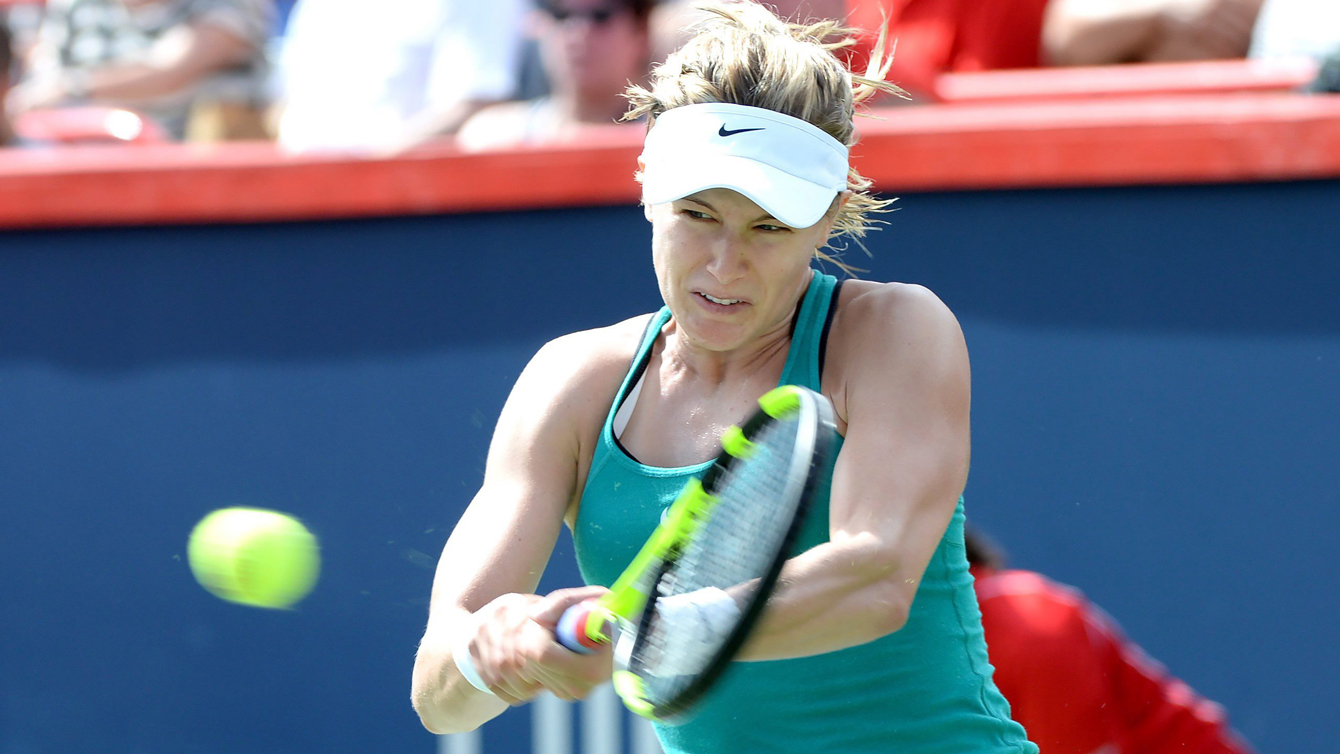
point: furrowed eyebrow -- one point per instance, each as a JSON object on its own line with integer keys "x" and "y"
{"x": 764, "y": 218}
{"x": 696, "y": 200}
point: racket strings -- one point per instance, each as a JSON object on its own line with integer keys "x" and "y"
{"x": 733, "y": 547}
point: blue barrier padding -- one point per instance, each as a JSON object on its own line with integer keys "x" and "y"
{"x": 1155, "y": 420}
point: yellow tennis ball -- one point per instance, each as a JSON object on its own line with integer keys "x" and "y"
{"x": 254, "y": 557}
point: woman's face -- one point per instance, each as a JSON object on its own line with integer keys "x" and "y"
{"x": 728, "y": 270}
{"x": 592, "y": 46}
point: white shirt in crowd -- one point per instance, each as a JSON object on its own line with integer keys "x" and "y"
{"x": 1296, "y": 28}
{"x": 356, "y": 76}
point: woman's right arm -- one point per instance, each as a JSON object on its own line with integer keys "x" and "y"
{"x": 493, "y": 560}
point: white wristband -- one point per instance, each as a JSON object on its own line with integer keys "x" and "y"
{"x": 460, "y": 653}
{"x": 703, "y": 613}
{"x": 698, "y": 621}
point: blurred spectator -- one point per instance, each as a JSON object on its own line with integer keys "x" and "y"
{"x": 169, "y": 59}
{"x": 1291, "y": 28}
{"x": 1100, "y": 32}
{"x": 672, "y": 19}
{"x": 941, "y": 36}
{"x": 361, "y": 76}
{"x": 6, "y": 66}
{"x": 1076, "y": 684}
{"x": 931, "y": 36}
{"x": 590, "y": 50}
{"x": 1328, "y": 78}
{"x": 1302, "y": 28}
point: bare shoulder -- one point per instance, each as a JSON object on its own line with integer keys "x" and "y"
{"x": 602, "y": 353}
{"x": 575, "y": 376}
{"x": 900, "y": 314}
{"x": 898, "y": 336}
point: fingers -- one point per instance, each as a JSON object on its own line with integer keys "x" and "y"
{"x": 498, "y": 659}
{"x": 560, "y": 685}
{"x": 566, "y": 674}
{"x": 508, "y": 677}
{"x": 517, "y": 655}
{"x": 550, "y": 608}
{"x": 572, "y": 673}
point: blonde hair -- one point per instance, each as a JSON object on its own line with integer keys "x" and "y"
{"x": 742, "y": 54}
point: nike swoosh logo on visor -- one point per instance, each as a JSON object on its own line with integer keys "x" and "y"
{"x": 726, "y": 132}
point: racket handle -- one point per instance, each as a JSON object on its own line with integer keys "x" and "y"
{"x": 582, "y": 628}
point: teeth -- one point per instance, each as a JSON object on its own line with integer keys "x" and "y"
{"x": 716, "y": 300}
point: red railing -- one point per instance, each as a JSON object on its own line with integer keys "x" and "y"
{"x": 1145, "y": 139}
{"x": 1217, "y": 77}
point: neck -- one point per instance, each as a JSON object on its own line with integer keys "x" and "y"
{"x": 691, "y": 361}
{"x": 764, "y": 352}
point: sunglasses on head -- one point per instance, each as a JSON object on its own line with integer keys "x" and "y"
{"x": 597, "y": 16}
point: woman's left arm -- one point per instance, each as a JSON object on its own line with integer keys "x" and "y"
{"x": 901, "y": 383}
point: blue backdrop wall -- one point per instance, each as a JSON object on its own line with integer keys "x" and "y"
{"x": 1156, "y": 420}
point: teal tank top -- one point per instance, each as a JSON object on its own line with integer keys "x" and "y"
{"x": 921, "y": 690}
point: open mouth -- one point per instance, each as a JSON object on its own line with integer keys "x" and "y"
{"x": 721, "y": 301}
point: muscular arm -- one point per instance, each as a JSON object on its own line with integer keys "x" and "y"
{"x": 502, "y": 542}
{"x": 903, "y": 394}
{"x": 493, "y": 560}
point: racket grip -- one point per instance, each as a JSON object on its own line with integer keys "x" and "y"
{"x": 581, "y": 627}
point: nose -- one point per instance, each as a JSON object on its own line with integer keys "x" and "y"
{"x": 727, "y": 262}
{"x": 579, "y": 27}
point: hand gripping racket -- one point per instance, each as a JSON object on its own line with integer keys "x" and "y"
{"x": 686, "y": 603}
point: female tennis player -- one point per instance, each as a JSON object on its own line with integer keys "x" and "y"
{"x": 872, "y": 641}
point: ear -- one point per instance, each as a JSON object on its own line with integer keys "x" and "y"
{"x": 831, "y": 216}
{"x": 841, "y": 201}
{"x": 646, "y": 208}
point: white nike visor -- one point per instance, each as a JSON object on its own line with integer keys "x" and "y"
{"x": 789, "y": 167}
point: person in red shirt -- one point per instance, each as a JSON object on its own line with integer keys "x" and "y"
{"x": 964, "y": 36}
{"x": 1074, "y": 681}
{"x": 941, "y": 36}
{"x": 931, "y": 37}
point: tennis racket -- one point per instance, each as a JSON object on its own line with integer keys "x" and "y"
{"x": 687, "y": 602}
